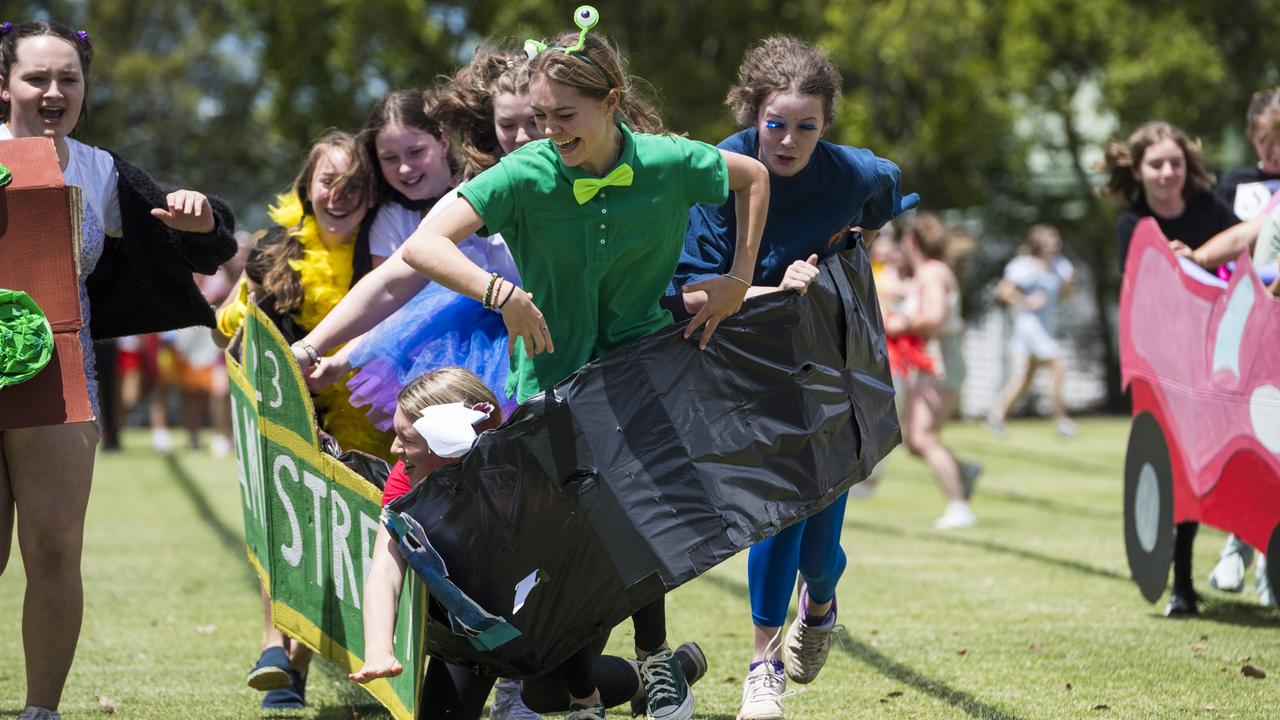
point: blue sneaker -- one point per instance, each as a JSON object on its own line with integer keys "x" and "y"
{"x": 272, "y": 670}
{"x": 293, "y": 697}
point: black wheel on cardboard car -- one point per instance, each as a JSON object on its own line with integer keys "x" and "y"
{"x": 1148, "y": 506}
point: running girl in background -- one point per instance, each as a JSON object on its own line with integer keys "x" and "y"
{"x": 1032, "y": 285}
{"x": 819, "y": 191}
{"x": 135, "y": 237}
{"x": 932, "y": 310}
{"x": 1160, "y": 173}
{"x": 298, "y": 273}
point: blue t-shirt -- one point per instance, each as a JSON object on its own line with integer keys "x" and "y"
{"x": 841, "y": 187}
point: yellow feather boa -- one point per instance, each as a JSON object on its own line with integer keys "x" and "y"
{"x": 325, "y": 273}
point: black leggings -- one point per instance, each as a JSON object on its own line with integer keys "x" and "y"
{"x": 452, "y": 692}
{"x": 1183, "y": 543}
{"x": 588, "y": 669}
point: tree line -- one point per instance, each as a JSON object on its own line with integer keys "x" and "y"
{"x": 996, "y": 110}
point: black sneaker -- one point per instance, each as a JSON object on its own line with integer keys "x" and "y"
{"x": 694, "y": 664}
{"x": 1182, "y": 603}
{"x": 667, "y": 693}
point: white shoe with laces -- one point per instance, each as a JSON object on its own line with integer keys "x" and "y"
{"x": 31, "y": 712}
{"x": 806, "y": 647}
{"x": 582, "y": 712}
{"x": 762, "y": 692}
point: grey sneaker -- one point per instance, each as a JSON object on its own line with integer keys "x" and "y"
{"x": 805, "y": 649}
{"x": 969, "y": 473}
{"x": 507, "y": 703}
{"x": 31, "y": 712}
{"x": 762, "y": 692}
{"x": 667, "y": 693}
{"x": 584, "y": 712}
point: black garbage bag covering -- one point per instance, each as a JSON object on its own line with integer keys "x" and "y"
{"x": 651, "y": 466}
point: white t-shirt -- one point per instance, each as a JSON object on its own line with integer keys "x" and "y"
{"x": 490, "y": 253}
{"x": 94, "y": 172}
{"x": 393, "y": 225}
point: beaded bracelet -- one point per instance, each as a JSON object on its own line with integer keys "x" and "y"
{"x": 497, "y": 292}
{"x": 735, "y": 277}
{"x": 488, "y": 293}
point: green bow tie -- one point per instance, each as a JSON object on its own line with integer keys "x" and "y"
{"x": 586, "y": 188}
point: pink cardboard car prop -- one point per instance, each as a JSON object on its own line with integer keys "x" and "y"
{"x": 1203, "y": 364}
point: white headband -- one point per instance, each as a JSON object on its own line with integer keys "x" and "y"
{"x": 449, "y": 429}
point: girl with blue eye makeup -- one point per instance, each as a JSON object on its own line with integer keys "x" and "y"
{"x": 819, "y": 191}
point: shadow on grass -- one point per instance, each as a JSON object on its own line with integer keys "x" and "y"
{"x": 1039, "y": 457}
{"x": 888, "y": 667}
{"x": 1238, "y": 612}
{"x": 987, "y": 545}
{"x": 230, "y": 539}
{"x": 1052, "y": 506}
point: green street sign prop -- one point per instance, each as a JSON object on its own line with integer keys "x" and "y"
{"x": 309, "y": 521}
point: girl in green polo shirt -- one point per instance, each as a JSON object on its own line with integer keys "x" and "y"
{"x": 594, "y": 216}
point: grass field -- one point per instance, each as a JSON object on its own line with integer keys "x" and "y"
{"x": 1030, "y": 615}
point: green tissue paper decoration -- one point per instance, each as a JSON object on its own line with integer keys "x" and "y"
{"x": 26, "y": 340}
{"x": 5, "y": 176}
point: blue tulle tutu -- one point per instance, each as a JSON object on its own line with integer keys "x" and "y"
{"x": 437, "y": 328}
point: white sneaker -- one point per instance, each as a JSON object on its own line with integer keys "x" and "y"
{"x": 31, "y": 712}
{"x": 1266, "y": 598}
{"x": 806, "y": 647}
{"x": 1228, "y": 574}
{"x": 161, "y": 441}
{"x": 220, "y": 446}
{"x": 956, "y": 516}
{"x": 762, "y": 693}
{"x": 507, "y": 703}
{"x": 1066, "y": 428}
{"x": 583, "y": 712}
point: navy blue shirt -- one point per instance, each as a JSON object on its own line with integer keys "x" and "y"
{"x": 841, "y": 187}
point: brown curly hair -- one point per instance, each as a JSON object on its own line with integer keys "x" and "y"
{"x": 594, "y": 71}
{"x": 279, "y": 279}
{"x": 463, "y": 105}
{"x": 1121, "y": 162}
{"x": 783, "y": 64}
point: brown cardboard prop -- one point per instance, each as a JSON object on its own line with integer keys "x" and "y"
{"x": 40, "y": 239}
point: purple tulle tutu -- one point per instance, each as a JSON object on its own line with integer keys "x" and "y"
{"x": 437, "y": 328}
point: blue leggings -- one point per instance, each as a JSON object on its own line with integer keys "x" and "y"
{"x": 811, "y": 546}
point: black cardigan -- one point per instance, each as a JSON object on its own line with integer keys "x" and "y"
{"x": 142, "y": 283}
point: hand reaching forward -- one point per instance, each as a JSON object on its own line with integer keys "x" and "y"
{"x": 800, "y": 274}
{"x": 187, "y": 211}
{"x": 724, "y": 298}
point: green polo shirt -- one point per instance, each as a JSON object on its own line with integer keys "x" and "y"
{"x": 596, "y": 270}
